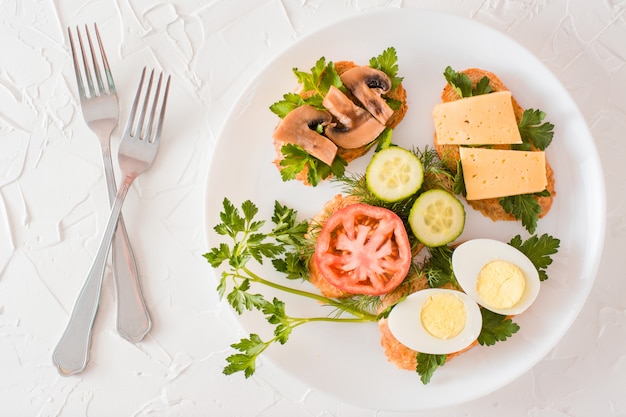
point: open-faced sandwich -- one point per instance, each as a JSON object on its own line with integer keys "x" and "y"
{"x": 337, "y": 112}
{"x": 496, "y": 148}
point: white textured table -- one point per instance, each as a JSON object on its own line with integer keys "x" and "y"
{"x": 53, "y": 206}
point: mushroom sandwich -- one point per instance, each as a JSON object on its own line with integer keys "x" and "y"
{"x": 337, "y": 113}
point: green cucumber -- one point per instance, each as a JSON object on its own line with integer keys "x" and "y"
{"x": 437, "y": 218}
{"x": 394, "y": 174}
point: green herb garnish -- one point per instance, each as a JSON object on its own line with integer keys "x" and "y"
{"x": 524, "y": 207}
{"x": 283, "y": 244}
{"x": 387, "y": 62}
{"x": 463, "y": 85}
{"x": 322, "y": 76}
{"x": 534, "y": 132}
{"x": 496, "y": 328}
{"x": 539, "y": 250}
{"x": 427, "y": 364}
{"x": 297, "y": 159}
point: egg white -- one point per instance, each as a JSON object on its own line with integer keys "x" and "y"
{"x": 469, "y": 258}
{"x": 406, "y": 326}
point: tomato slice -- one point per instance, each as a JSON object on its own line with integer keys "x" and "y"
{"x": 363, "y": 249}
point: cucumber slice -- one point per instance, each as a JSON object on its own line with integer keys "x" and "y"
{"x": 394, "y": 174}
{"x": 437, "y": 218}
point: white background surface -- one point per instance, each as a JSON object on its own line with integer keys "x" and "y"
{"x": 53, "y": 206}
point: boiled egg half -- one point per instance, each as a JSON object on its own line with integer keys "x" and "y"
{"x": 436, "y": 321}
{"x": 495, "y": 274}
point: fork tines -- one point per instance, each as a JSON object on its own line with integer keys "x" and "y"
{"x": 87, "y": 67}
{"x": 142, "y": 127}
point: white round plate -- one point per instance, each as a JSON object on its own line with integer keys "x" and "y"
{"x": 347, "y": 361}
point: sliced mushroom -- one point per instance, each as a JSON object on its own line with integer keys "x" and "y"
{"x": 299, "y": 127}
{"x": 356, "y": 127}
{"x": 368, "y": 85}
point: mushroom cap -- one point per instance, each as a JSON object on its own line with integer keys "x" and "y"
{"x": 299, "y": 127}
{"x": 355, "y": 127}
{"x": 373, "y": 78}
{"x": 368, "y": 85}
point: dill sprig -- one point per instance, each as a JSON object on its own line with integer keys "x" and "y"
{"x": 437, "y": 173}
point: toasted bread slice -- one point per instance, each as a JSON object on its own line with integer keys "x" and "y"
{"x": 450, "y": 153}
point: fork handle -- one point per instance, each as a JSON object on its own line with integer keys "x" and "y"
{"x": 133, "y": 318}
{"x": 71, "y": 354}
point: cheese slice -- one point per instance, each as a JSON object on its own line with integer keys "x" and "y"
{"x": 493, "y": 173}
{"x": 486, "y": 119}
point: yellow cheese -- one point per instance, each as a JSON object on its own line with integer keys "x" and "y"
{"x": 493, "y": 173}
{"x": 486, "y": 119}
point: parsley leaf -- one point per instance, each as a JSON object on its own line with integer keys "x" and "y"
{"x": 276, "y": 315}
{"x": 463, "y": 85}
{"x": 289, "y": 102}
{"x": 287, "y": 228}
{"x": 438, "y": 267}
{"x": 523, "y": 207}
{"x": 459, "y": 81}
{"x": 459, "y": 180}
{"x": 240, "y": 299}
{"x": 538, "y": 249}
{"x": 296, "y": 159}
{"x": 387, "y": 62}
{"x": 245, "y": 362}
{"x": 427, "y": 364}
{"x": 533, "y": 131}
{"x": 218, "y": 255}
{"x": 496, "y": 328}
{"x": 482, "y": 87}
{"x": 232, "y": 221}
{"x": 292, "y": 265}
{"x": 322, "y": 76}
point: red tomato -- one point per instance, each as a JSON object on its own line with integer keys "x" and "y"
{"x": 363, "y": 249}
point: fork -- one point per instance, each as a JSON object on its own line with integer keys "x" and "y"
{"x": 100, "y": 110}
{"x": 136, "y": 153}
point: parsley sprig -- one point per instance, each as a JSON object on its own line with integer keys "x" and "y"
{"x": 251, "y": 347}
{"x": 322, "y": 76}
{"x": 387, "y": 62}
{"x": 296, "y": 159}
{"x": 315, "y": 85}
{"x": 524, "y": 207}
{"x": 535, "y": 133}
{"x": 286, "y": 245}
{"x": 427, "y": 364}
{"x": 539, "y": 250}
{"x": 464, "y": 86}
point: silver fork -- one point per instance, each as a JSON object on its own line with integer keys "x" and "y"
{"x": 100, "y": 111}
{"x": 136, "y": 153}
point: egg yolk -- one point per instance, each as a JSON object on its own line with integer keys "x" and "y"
{"x": 443, "y": 315}
{"x": 500, "y": 284}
